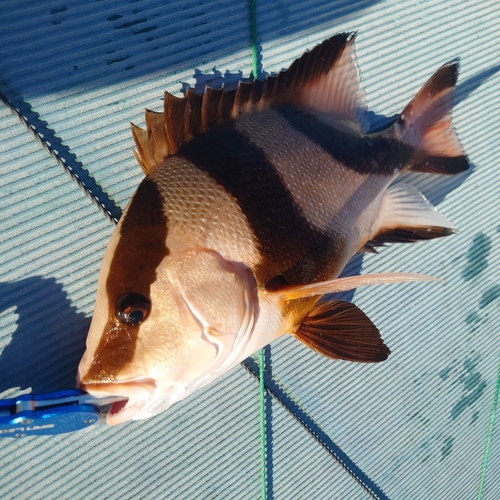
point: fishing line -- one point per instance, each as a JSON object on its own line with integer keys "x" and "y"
{"x": 262, "y": 392}
{"x": 253, "y": 37}
{"x": 315, "y": 430}
{"x": 490, "y": 436}
{"x": 263, "y": 443}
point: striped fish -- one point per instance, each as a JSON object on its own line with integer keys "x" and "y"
{"x": 253, "y": 202}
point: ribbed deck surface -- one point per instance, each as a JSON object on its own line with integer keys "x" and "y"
{"x": 417, "y": 425}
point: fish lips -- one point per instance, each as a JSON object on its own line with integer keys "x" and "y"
{"x": 136, "y": 393}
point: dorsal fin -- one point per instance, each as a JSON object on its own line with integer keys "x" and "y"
{"x": 325, "y": 80}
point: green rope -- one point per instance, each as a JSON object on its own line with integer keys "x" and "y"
{"x": 262, "y": 390}
{"x": 253, "y": 37}
{"x": 490, "y": 435}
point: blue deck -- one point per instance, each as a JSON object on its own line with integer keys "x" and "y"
{"x": 417, "y": 425}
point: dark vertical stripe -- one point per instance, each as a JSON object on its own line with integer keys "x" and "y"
{"x": 139, "y": 252}
{"x": 378, "y": 155}
{"x": 286, "y": 239}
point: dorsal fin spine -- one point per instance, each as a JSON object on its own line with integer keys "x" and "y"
{"x": 281, "y": 83}
{"x": 174, "y": 120}
{"x": 272, "y": 85}
{"x": 139, "y": 161}
{"x": 259, "y": 105}
{"x": 157, "y": 135}
{"x": 205, "y": 112}
{"x": 143, "y": 148}
{"x": 211, "y": 107}
{"x": 258, "y": 86}
{"x": 194, "y": 107}
{"x": 228, "y": 99}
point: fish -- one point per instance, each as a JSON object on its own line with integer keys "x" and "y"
{"x": 253, "y": 202}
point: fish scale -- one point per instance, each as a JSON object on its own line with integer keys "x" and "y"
{"x": 199, "y": 207}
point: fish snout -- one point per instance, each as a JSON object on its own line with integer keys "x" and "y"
{"x": 134, "y": 389}
{"x": 138, "y": 393}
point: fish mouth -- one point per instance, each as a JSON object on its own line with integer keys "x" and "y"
{"x": 136, "y": 395}
{"x": 121, "y": 411}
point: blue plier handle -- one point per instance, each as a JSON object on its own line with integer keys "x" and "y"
{"x": 51, "y": 413}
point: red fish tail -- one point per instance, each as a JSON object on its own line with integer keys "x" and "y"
{"x": 426, "y": 125}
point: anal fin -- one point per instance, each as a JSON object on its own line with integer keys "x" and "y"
{"x": 433, "y": 164}
{"x": 405, "y": 217}
{"x": 340, "y": 330}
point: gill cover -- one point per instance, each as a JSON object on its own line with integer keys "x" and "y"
{"x": 222, "y": 297}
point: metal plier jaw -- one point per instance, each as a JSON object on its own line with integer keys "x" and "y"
{"x": 51, "y": 413}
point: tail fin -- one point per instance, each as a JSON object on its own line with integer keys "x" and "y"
{"x": 425, "y": 124}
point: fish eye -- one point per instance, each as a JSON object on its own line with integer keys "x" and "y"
{"x": 132, "y": 308}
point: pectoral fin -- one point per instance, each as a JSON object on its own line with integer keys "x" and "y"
{"x": 291, "y": 292}
{"x": 340, "y": 330}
